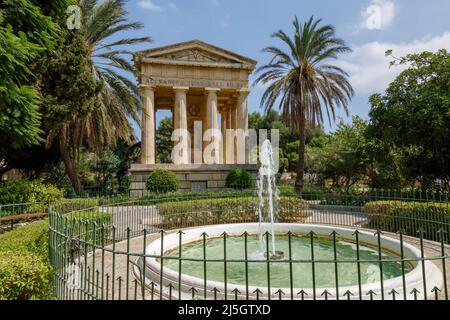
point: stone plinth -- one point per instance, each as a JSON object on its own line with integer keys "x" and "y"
{"x": 193, "y": 177}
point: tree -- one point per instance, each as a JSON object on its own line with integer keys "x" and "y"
{"x": 101, "y": 24}
{"x": 302, "y": 80}
{"x": 127, "y": 154}
{"x": 344, "y": 158}
{"x": 70, "y": 94}
{"x": 413, "y": 117}
{"x": 273, "y": 120}
{"x": 164, "y": 142}
{"x": 106, "y": 166}
{"x": 27, "y": 31}
{"x": 19, "y": 116}
{"x": 25, "y": 34}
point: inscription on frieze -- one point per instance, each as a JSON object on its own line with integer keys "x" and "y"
{"x": 194, "y": 83}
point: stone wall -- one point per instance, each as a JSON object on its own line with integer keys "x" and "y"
{"x": 192, "y": 177}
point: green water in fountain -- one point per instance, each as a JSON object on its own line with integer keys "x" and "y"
{"x": 279, "y": 270}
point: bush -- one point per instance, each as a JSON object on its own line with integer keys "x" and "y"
{"x": 238, "y": 179}
{"x": 15, "y": 191}
{"x": 226, "y": 210}
{"x": 336, "y": 199}
{"x": 24, "y": 270}
{"x": 162, "y": 181}
{"x": 410, "y": 217}
{"x": 125, "y": 184}
{"x": 45, "y": 193}
{"x": 32, "y": 238}
{"x": 22, "y": 191}
{"x": 312, "y": 193}
{"x": 92, "y": 217}
{"x": 23, "y": 276}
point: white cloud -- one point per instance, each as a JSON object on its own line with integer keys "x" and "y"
{"x": 369, "y": 67}
{"x": 379, "y": 14}
{"x": 151, "y": 6}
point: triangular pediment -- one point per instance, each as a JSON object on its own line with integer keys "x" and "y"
{"x": 194, "y": 52}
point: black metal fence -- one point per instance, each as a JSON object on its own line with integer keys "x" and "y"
{"x": 208, "y": 247}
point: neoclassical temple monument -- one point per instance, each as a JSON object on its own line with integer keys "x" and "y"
{"x": 205, "y": 87}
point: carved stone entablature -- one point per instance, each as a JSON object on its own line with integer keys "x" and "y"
{"x": 196, "y": 53}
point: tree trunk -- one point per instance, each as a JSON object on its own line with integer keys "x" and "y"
{"x": 69, "y": 163}
{"x": 299, "y": 182}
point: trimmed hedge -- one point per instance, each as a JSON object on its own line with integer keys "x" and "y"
{"x": 227, "y": 210}
{"x": 24, "y": 270}
{"x": 32, "y": 238}
{"x": 83, "y": 220}
{"x": 410, "y": 217}
{"x": 162, "y": 181}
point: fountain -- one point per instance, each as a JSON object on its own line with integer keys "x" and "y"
{"x": 250, "y": 257}
{"x": 268, "y": 196}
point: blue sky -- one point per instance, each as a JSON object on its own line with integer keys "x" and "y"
{"x": 370, "y": 27}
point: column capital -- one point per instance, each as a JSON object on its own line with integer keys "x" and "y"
{"x": 211, "y": 90}
{"x": 244, "y": 92}
{"x": 143, "y": 87}
{"x": 180, "y": 89}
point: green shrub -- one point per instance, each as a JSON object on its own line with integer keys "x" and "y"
{"x": 15, "y": 191}
{"x": 24, "y": 270}
{"x": 45, "y": 193}
{"x": 336, "y": 199}
{"x": 311, "y": 193}
{"x": 225, "y": 210}
{"x": 125, "y": 184}
{"x": 32, "y": 238}
{"x": 23, "y": 276}
{"x": 162, "y": 181}
{"x": 90, "y": 220}
{"x": 180, "y": 196}
{"x": 69, "y": 205}
{"x": 410, "y": 217}
{"x": 238, "y": 179}
{"x": 23, "y": 191}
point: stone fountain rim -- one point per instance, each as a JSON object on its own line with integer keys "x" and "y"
{"x": 414, "y": 277}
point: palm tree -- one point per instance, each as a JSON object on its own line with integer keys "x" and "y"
{"x": 118, "y": 99}
{"x": 119, "y": 95}
{"x": 303, "y": 82}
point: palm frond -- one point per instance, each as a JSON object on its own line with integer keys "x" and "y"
{"x": 120, "y": 100}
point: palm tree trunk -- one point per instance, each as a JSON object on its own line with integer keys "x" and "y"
{"x": 299, "y": 182}
{"x": 68, "y": 162}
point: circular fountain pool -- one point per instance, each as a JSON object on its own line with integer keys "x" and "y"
{"x": 247, "y": 269}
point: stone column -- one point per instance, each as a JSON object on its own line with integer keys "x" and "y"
{"x": 242, "y": 111}
{"x": 148, "y": 124}
{"x": 180, "y": 121}
{"x": 212, "y": 120}
{"x": 234, "y": 126}
{"x": 223, "y": 127}
{"x": 242, "y": 117}
{"x": 229, "y": 159}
